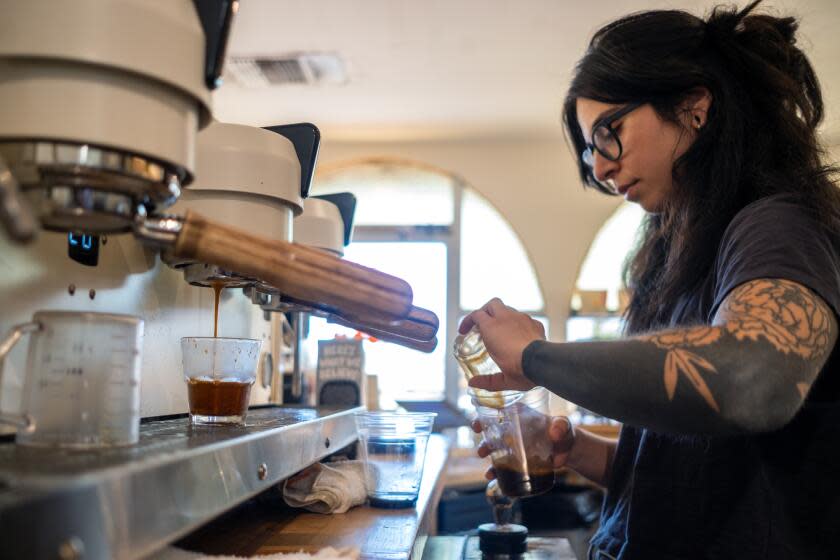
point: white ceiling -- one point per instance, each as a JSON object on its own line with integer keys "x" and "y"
{"x": 451, "y": 69}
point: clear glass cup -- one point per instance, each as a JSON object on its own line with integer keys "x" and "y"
{"x": 219, "y": 373}
{"x": 516, "y": 431}
{"x": 393, "y": 449}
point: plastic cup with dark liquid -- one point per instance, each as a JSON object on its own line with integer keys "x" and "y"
{"x": 219, "y": 373}
{"x": 515, "y": 427}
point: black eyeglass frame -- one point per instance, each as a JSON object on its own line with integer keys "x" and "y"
{"x": 606, "y": 122}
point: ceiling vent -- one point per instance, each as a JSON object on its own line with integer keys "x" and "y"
{"x": 300, "y": 68}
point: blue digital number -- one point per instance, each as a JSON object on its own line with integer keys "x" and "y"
{"x": 83, "y": 249}
{"x": 86, "y": 241}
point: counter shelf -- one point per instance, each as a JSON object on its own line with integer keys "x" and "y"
{"x": 124, "y": 503}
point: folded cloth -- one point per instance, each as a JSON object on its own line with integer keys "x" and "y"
{"x": 327, "y": 487}
{"x": 329, "y": 553}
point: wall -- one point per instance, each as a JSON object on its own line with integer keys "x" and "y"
{"x": 533, "y": 183}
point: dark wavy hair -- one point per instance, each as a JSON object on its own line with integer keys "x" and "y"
{"x": 759, "y": 138}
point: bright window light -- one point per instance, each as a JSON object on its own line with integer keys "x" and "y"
{"x": 486, "y": 240}
{"x": 602, "y": 267}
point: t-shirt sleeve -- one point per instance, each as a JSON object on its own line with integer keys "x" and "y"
{"x": 777, "y": 238}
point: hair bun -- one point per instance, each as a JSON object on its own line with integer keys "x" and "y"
{"x": 743, "y": 39}
{"x": 722, "y": 23}
{"x": 726, "y": 25}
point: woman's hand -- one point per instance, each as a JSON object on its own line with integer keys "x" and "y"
{"x": 560, "y": 432}
{"x": 506, "y": 333}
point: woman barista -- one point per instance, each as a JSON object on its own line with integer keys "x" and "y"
{"x": 726, "y": 383}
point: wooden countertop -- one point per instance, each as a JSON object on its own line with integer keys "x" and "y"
{"x": 267, "y": 525}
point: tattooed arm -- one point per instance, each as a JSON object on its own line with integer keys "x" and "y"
{"x": 748, "y": 371}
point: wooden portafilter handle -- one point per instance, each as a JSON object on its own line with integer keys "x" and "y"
{"x": 420, "y": 324}
{"x": 427, "y": 346}
{"x": 302, "y": 272}
{"x": 418, "y": 330}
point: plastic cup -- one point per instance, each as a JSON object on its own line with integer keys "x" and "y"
{"x": 516, "y": 430}
{"x": 393, "y": 449}
{"x": 219, "y": 373}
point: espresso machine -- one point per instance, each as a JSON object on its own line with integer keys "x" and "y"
{"x": 104, "y": 113}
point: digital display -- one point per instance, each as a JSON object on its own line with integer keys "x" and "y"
{"x": 83, "y": 249}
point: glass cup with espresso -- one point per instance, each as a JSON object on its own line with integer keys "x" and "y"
{"x": 515, "y": 427}
{"x": 219, "y": 373}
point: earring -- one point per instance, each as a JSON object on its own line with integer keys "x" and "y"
{"x": 698, "y": 124}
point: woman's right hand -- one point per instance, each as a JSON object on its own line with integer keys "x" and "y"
{"x": 560, "y": 432}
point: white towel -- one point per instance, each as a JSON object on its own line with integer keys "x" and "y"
{"x": 327, "y": 487}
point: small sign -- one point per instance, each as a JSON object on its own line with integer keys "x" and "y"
{"x": 341, "y": 365}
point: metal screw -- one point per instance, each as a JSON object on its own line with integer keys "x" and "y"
{"x": 71, "y": 289}
{"x": 262, "y": 472}
{"x": 327, "y": 443}
{"x": 71, "y": 549}
{"x": 92, "y": 293}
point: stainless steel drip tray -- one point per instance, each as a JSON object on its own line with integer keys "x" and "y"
{"x": 127, "y": 502}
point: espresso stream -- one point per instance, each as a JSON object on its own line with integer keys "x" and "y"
{"x": 217, "y": 291}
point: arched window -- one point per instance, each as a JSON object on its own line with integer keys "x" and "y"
{"x": 599, "y": 296}
{"x": 430, "y": 228}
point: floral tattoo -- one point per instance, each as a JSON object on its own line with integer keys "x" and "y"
{"x": 781, "y": 312}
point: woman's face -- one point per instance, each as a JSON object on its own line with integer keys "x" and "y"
{"x": 650, "y": 146}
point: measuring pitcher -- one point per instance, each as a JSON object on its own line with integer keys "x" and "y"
{"x": 82, "y": 380}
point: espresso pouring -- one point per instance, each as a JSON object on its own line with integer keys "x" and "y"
{"x": 211, "y": 396}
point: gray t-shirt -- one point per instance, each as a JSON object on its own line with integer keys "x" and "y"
{"x": 769, "y": 496}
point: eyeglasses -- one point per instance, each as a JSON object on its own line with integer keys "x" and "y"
{"x": 605, "y": 139}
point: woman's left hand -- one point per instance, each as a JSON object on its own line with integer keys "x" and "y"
{"x": 506, "y": 333}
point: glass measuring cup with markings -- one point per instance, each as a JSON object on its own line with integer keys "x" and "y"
{"x": 82, "y": 380}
